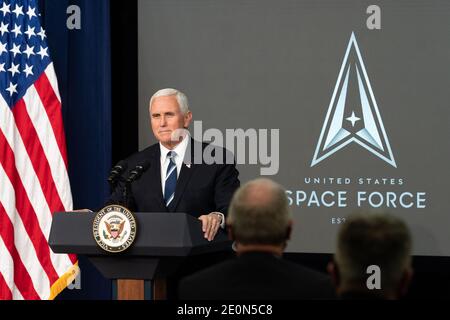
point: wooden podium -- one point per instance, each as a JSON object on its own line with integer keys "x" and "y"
{"x": 163, "y": 241}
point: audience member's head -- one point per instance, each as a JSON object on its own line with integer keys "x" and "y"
{"x": 369, "y": 239}
{"x": 259, "y": 217}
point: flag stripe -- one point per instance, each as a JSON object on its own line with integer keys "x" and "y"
{"x": 37, "y": 156}
{"x": 21, "y": 277}
{"x": 53, "y": 109}
{"x": 42, "y": 124}
{"x": 47, "y": 89}
{"x": 51, "y": 75}
{"x": 5, "y": 291}
{"x": 22, "y": 241}
{"x": 31, "y": 183}
{"x": 26, "y": 211}
{"x": 6, "y": 271}
{"x": 14, "y": 236}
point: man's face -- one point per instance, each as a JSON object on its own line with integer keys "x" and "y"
{"x": 166, "y": 117}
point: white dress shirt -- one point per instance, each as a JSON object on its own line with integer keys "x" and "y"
{"x": 180, "y": 151}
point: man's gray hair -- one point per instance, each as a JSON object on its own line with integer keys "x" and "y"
{"x": 367, "y": 239}
{"x": 180, "y": 96}
{"x": 259, "y": 213}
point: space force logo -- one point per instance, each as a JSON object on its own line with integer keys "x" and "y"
{"x": 114, "y": 228}
{"x": 353, "y": 118}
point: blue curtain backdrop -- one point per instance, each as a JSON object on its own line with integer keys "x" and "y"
{"x": 83, "y": 66}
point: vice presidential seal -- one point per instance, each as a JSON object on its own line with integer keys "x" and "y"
{"x": 114, "y": 228}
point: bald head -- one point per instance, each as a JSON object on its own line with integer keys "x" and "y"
{"x": 259, "y": 213}
{"x": 260, "y": 192}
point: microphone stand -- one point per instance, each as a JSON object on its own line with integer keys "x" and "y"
{"x": 126, "y": 193}
{"x": 113, "y": 184}
{"x": 116, "y": 175}
{"x": 135, "y": 174}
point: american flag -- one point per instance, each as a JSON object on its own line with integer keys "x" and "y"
{"x": 33, "y": 162}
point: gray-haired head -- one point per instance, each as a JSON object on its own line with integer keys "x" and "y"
{"x": 367, "y": 239}
{"x": 259, "y": 213}
{"x": 180, "y": 96}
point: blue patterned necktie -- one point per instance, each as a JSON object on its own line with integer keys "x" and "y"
{"x": 171, "y": 179}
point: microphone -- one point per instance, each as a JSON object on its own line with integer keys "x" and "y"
{"x": 116, "y": 171}
{"x": 138, "y": 171}
{"x": 133, "y": 176}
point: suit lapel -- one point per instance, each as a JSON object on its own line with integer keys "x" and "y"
{"x": 155, "y": 183}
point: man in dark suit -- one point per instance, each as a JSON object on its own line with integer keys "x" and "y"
{"x": 260, "y": 224}
{"x": 178, "y": 179}
{"x": 373, "y": 257}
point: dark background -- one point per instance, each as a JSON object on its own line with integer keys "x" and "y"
{"x": 97, "y": 69}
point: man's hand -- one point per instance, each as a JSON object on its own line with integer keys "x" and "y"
{"x": 210, "y": 224}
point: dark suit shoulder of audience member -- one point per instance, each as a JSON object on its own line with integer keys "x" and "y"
{"x": 258, "y": 276}
{"x": 260, "y": 224}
